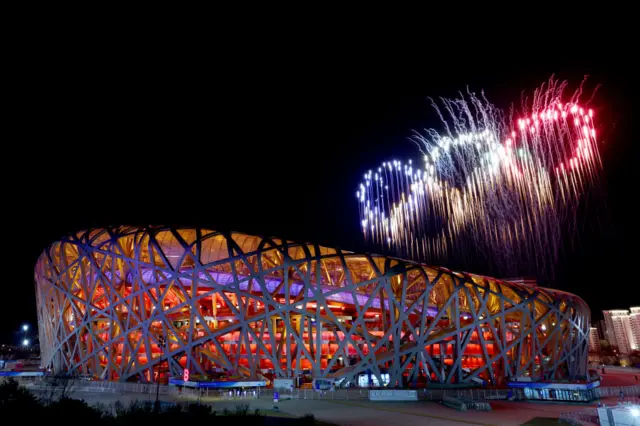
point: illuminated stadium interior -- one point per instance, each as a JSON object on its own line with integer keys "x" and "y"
{"x": 231, "y": 305}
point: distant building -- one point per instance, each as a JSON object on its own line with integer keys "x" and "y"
{"x": 619, "y": 330}
{"x": 634, "y": 321}
{"x": 594, "y": 340}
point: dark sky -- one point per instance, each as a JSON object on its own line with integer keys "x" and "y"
{"x": 106, "y": 143}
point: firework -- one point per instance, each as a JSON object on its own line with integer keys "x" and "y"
{"x": 505, "y": 188}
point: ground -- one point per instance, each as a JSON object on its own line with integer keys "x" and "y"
{"x": 363, "y": 412}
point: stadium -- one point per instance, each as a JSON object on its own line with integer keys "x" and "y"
{"x": 145, "y": 303}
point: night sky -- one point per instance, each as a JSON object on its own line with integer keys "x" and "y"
{"x": 272, "y": 157}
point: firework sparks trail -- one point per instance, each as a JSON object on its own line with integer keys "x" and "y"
{"x": 500, "y": 187}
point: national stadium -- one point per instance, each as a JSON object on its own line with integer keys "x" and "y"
{"x": 146, "y": 303}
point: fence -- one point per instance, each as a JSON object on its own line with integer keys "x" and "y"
{"x": 79, "y": 385}
{"x": 628, "y": 391}
{"x": 440, "y": 394}
{"x": 125, "y": 387}
{"x": 228, "y": 394}
{"x": 338, "y": 394}
{"x": 472, "y": 394}
{"x": 580, "y": 417}
{"x": 615, "y": 368}
{"x": 393, "y": 395}
{"x": 423, "y": 394}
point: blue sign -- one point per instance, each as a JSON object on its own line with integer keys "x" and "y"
{"x": 276, "y": 396}
{"x": 219, "y": 385}
{"x": 238, "y": 384}
{"x": 21, "y": 373}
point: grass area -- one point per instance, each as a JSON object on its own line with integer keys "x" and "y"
{"x": 411, "y": 413}
{"x": 274, "y": 413}
{"x": 18, "y": 402}
{"x": 280, "y": 414}
{"x": 542, "y": 421}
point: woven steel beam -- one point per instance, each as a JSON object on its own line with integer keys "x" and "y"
{"x": 245, "y": 306}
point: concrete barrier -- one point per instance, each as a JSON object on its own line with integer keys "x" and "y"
{"x": 393, "y": 395}
{"x": 475, "y": 405}
{"x": 455, "y": 403}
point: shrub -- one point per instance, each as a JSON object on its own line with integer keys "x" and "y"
{"x": 15, "y": 399}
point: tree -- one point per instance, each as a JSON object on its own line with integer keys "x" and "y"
{"x": 17, "y": 400}
{"x": 59, "y": 387}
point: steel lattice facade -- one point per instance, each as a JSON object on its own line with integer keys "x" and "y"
{"x": 245, "y": 305}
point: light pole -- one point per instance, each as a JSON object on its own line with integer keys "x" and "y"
{"x": 25, "y": 338}
{"x": 161, "y": 346}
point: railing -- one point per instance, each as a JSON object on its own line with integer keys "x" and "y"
{"x": 472, "y": 394}
{"x": 125, "y": 387}
{"x": 228, "y": 394}
{"x": 628, "y": 391}
{"x": 79, "y": 385}
{"x": 338, "y": 394}
{"x": 423, "y": 394}
{"x": 599, "y": 367}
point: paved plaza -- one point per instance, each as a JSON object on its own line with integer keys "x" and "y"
{"x": 363, "y": 412}
{"x": 357, "y": 410}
